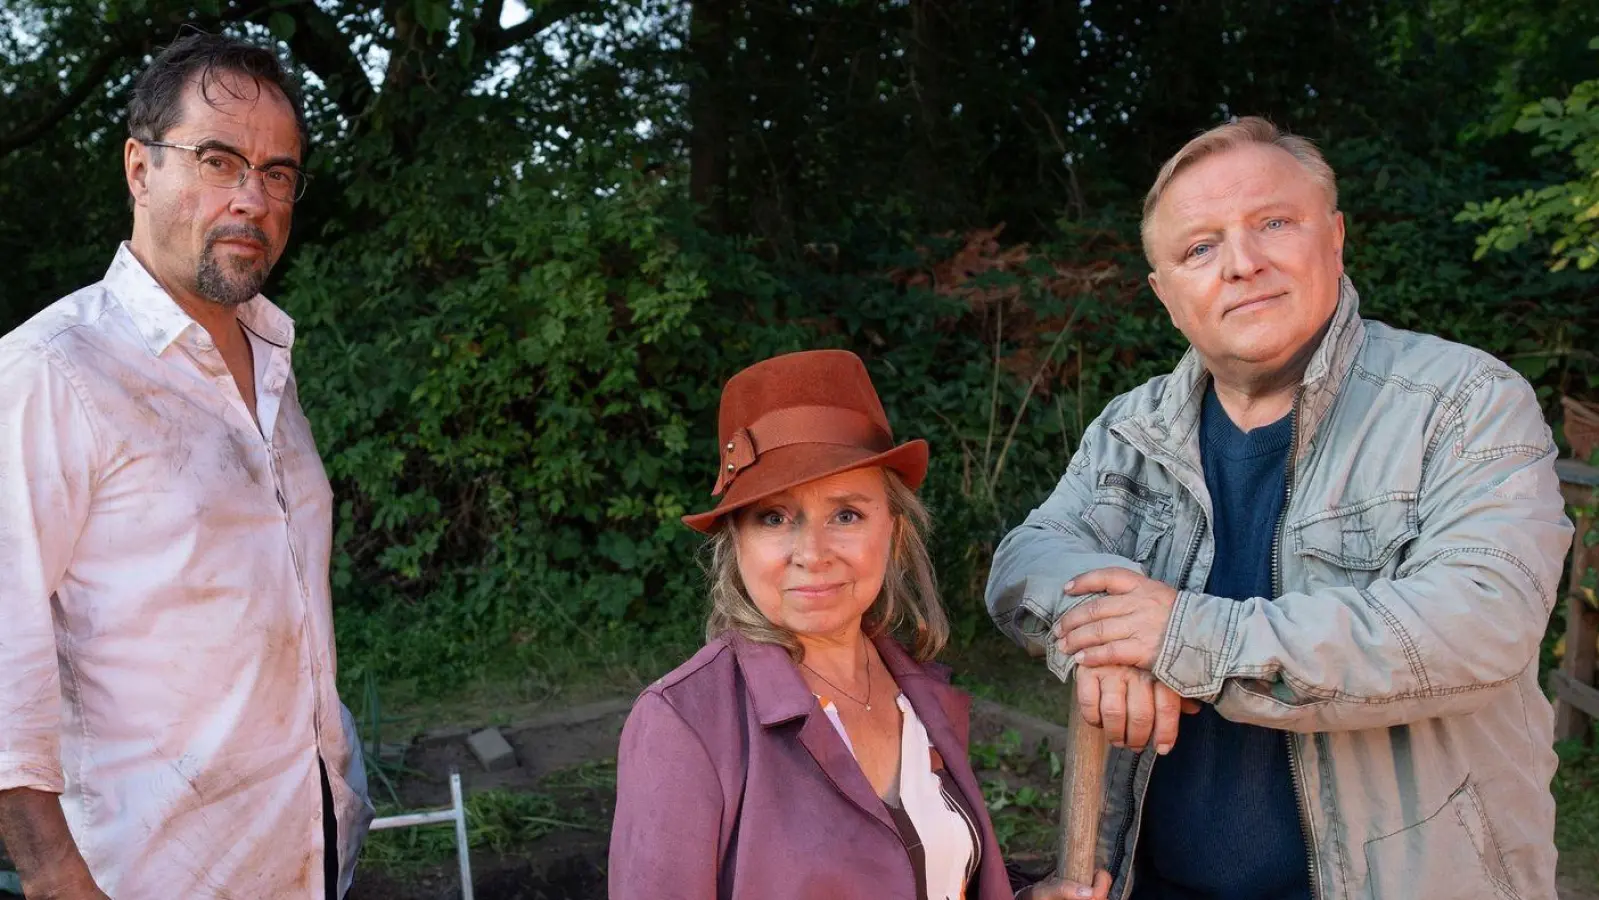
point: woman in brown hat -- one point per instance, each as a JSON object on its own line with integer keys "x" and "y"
{"x": 804, "y": 753}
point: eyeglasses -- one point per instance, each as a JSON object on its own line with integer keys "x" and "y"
{"x": 223, "y": 168}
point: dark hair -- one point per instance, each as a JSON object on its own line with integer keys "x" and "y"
{"x": 157, "y": 101}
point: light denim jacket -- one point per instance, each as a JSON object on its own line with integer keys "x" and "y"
{"x": 1416, "y": 565}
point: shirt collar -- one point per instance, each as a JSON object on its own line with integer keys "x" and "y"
{"x": 160, "y": 320}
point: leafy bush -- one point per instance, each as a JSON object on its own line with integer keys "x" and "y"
{"x": 502, "y": 374}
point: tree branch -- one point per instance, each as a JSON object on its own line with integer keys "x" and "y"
{"x": 93, "y": 79}
{"x": 546, "y": 15}
{"x": 488, "y": 23}
{"x": 318, "y": 44}
{"x": 128, "y": 42}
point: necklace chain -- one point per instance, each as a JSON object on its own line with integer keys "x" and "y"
{"x": 868, "y": 701}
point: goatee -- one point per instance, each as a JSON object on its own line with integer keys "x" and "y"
{"x": 243, "y": 282}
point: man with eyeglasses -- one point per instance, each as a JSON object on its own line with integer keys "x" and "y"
{"x": 169, "y": 721}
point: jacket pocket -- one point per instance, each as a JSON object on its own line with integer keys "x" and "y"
{"x": 1127, "y": 516}
{"x": 1450, "y": 855}
{"x": 1366, "y": 535}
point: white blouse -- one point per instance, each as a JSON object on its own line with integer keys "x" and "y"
{"x": 946, "y": 832}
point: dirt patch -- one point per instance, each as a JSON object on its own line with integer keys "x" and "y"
{"x": 539, "y": 830}
{"x": 544, "y": 746}
{"x": 1569, "y": 889}
{"x": 558, "y": 870}
{"x": 568, "y": 759}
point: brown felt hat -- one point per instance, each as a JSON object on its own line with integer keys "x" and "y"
{"x": 796, "y": 418}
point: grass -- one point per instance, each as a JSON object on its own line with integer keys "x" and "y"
{"x": 523, "y": 682}
{"x": 1576, "y": 790}
{"x": 499, "y": 821}
{"x": 991, "y": 667}
{"x": 1018, "y": 789}
{"x": 987, "y": 665}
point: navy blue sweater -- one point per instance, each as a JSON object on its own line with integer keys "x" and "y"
{"x": 1221, "y": 821}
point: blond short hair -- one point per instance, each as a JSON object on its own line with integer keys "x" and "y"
{"x": 909, "y": 595}
{"x": 1237, "y": 133}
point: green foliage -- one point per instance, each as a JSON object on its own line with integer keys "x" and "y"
{"x": 504, "y": 395}
{"x": 498, "y": 821}
{"x": 512, "y": 329}
{"x": 1021, "y": 788}
{"x": 502, "y": 822}
{"x": 1566, "y": 213}
{"x": 1411, "y": 258}
{"x": 1576, "y": 790}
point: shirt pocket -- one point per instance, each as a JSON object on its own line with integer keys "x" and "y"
{"x": 1127, "y": 516}
{"x": 1363, "y": 540}
{"x": 1450, "y": 855}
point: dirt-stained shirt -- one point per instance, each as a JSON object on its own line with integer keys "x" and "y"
{"x": 166, "y": 633}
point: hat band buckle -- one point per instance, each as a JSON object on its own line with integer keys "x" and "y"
{"x": 798, "y": 425}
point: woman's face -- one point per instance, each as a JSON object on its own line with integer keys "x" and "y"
{"x": 813, "y": 557}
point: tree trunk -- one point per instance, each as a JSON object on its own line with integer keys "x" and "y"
{"x": 709, "y": 44}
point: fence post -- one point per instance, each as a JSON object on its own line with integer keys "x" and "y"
{"x": 1577, "y": 698}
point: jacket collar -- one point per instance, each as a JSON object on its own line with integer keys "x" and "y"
{"x": 772, "y": 681}
{"x": 1171, "y": 430}
{"x": 779, "y": 695}
{"x": 160, "y": 321}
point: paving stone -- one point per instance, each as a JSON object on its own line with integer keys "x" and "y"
{"x": 492, "y": 750}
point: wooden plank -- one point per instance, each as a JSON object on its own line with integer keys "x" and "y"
{"x": 1582, "y": 631}
{"x": 1576, "y": 472}
{"x": 1578, "y": 495}
{"x": 1582, "y": 696}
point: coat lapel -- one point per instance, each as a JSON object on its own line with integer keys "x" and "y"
{"x": 840, "y": 767}
{"x": 780, "y": 696}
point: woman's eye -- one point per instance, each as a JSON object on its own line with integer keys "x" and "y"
{"x": 771, "y": 518}
{"x": 849, "y": 517}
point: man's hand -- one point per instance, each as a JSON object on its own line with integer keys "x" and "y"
{"x": 78, "y": 887}
{"x": 1123, "y": 628}
{"x": 1051, "y": 889}
{"x": 1133, "y": 708}
{"x": 36, "y": 836}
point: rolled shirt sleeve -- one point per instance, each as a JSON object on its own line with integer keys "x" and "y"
{"x": 47, "y": 451}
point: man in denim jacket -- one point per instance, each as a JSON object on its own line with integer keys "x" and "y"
{"x": 1335, "y": 543}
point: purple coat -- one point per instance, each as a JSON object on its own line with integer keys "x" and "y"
{"x": 732, "y": 784}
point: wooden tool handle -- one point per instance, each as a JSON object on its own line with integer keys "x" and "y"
{"x": 1082, "y": 794}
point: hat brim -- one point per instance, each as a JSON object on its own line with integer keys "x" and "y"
{"x": 787, "y": 467}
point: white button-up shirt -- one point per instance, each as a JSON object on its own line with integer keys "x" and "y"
{"x": 166, "y": 630}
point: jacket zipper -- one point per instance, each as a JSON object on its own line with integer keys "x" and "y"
{"x": 1307, "y": 830}
{"x": 1132, "y": 780}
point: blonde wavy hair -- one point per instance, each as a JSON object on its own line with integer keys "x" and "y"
{"x": 909, "y": 598}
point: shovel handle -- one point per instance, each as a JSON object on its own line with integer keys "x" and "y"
{"x": 1082, "y": 793}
